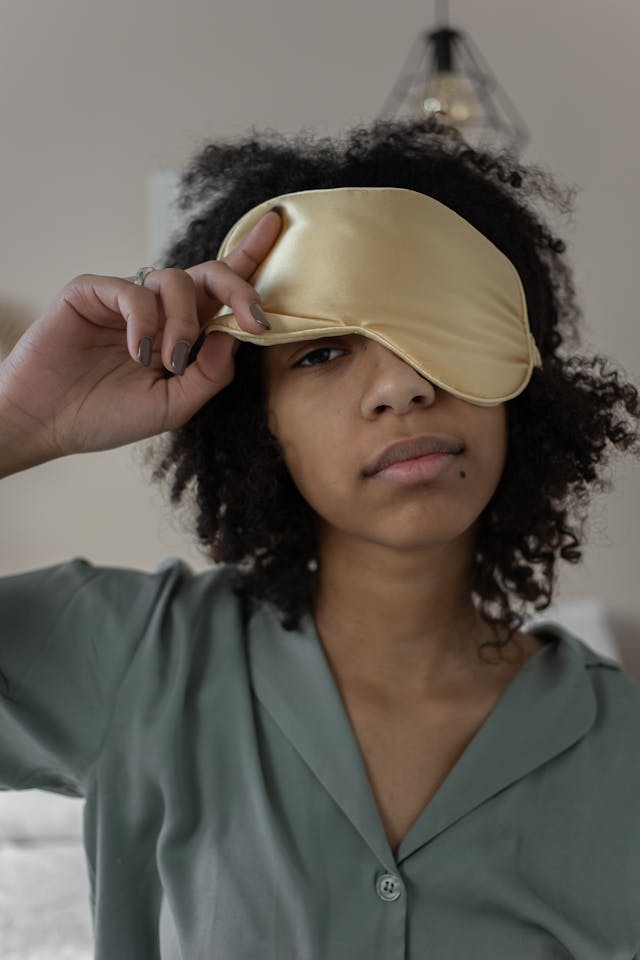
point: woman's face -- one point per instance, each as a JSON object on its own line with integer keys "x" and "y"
{"x": 335, "y": 403}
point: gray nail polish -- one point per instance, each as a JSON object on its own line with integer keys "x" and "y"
{"x": 257, "y": 313}
{"x": 144, "y": 351}
{"x": 180, "y": 356}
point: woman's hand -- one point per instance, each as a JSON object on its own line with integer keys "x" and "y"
{"x": 73, "y": 382}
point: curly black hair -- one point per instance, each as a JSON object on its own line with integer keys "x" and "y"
{"x": 562, "y": 428}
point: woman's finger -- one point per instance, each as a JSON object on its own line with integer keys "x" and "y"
{"x": 212, "y": 370}
{"x": 177, "y": 294}
{"x": 114, "y": 302}
{"x": 221, "y": 281}
{"x": 246, "y": 257}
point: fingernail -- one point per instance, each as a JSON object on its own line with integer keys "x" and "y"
{"x": 180, "y": 356}
{"x": 144, "y": 351}
{"x": 258, "y": 315}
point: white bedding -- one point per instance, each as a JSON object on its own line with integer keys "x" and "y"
{"x": 44, "y": 901}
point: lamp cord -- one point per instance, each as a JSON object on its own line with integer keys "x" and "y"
{"x": 442, "y": 13}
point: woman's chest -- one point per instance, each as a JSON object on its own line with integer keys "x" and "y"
{"x": 407, "y": 758}
{"x": 409, "y": 750}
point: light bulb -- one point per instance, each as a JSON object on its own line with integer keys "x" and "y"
{"x": 450, "y": 94}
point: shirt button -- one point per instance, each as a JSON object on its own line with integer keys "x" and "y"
{"x": 388, "y": 887}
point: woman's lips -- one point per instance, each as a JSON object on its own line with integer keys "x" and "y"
{"x": 420, "y": 468}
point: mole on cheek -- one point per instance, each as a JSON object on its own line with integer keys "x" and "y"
{"x": 462, "y": 474}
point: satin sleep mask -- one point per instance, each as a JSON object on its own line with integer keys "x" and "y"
{"x": 401, "y": 268}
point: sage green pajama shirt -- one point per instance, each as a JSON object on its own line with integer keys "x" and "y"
{"x": 228, "y": 814}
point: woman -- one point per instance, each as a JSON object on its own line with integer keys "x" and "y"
{"x": 306, "y": 751}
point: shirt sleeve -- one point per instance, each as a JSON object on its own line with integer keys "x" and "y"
{"x": 68, "y": 634}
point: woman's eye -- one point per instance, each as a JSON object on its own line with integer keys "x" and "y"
{"x": 313, "y": 353}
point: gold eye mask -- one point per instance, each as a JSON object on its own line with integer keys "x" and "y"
{"x": 399, "y": 267}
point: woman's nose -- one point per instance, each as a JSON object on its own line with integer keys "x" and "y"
{"x": 395, "y": 383}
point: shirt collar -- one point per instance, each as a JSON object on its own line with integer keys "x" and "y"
{"x": 548, "y": 706}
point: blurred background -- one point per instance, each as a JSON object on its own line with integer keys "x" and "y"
{"x": 102, "y": 104}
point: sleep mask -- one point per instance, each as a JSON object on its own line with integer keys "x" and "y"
{"x": 401, "y": 268}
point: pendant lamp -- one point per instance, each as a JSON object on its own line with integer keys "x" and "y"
{"x": 445, "y": 75}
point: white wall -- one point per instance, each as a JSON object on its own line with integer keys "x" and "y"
{"x": 96, "y": 97}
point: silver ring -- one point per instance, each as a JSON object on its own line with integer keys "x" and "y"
{"x": 141, "y": 274}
